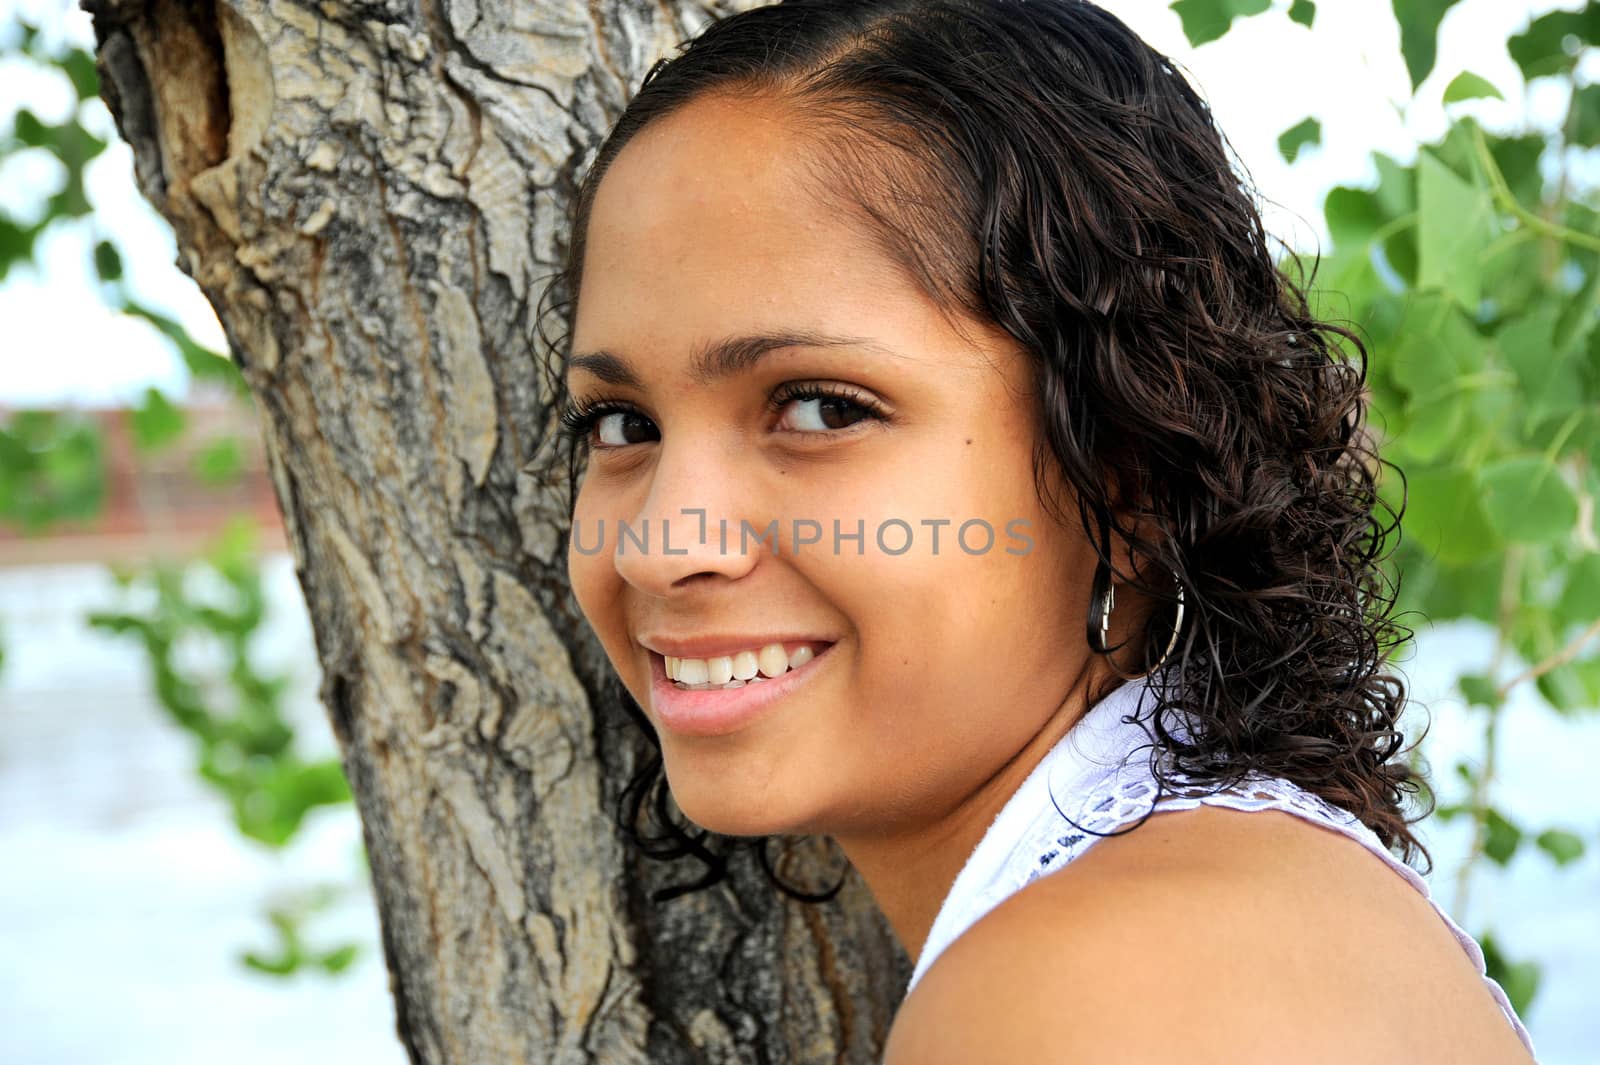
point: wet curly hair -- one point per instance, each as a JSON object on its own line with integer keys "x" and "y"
{"x": 1036, "y": 165}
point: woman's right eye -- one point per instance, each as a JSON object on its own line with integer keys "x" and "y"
{"x": 605, "y": 425}
{"x": 619, "y": 428}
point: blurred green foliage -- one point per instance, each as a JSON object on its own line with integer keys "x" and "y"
{"x": 53, "y": 471}
{"x": 1207, "y": 20}
{"x": 69, "y": 142}
{"x": 1296, "y": 139}
{"x": 52, "y": 462}
{"x": 1472, "y": 274}
{"x": 288, "y": 920}
{"x": 245, "y": 742}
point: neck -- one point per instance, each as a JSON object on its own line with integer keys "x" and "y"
{"x": 910, "y": 870}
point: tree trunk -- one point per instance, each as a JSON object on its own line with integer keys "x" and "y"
{"x": 371, "y": 195}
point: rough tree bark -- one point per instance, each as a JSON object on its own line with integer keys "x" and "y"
{"x": 371, "y": 195}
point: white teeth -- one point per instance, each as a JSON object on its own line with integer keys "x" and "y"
{"x": 734, "y": 671}
{"x": 773, "y": 660}
{"x": 745, "y": 665}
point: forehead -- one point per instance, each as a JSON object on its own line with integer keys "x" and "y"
{"x": 705, "y": 225}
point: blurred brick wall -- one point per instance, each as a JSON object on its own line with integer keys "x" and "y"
{"x": 156, "y": 505}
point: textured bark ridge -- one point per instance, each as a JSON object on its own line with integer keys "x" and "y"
{"x": 372, "y": 195}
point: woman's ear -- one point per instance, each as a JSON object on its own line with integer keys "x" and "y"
{"x": 1135, "y": 516}
{"x": 1133, "y": 608}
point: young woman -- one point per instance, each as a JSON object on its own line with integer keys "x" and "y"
{"x": 962, "y": 480}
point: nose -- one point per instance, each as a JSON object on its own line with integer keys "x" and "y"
{"x": 689, "y": 529}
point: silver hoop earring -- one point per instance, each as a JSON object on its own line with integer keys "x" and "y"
{"x": 1105, "y": 593}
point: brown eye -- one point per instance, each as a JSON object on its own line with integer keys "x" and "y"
{"x": 624, "y": 427}
{"x": 824, "y": 409}
{"x": 604, "y": 425}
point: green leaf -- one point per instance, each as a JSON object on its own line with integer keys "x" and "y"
{"x": 1456, "y": 228}
{"x": 285, "y": 922}
{"x": 1527, "y": 501}
{"x": 1419, "y": 34}
{"x": 1553, "y": 43}
{"x": 1546, "y": 373}
{"x": 1580, "y": 597}
{"x": 235, "y": 547}
{"x": 1444, "y": 593}
{"x": 1561, "y": 845}
{"x": 1307, "y": 133}
{"x": 1436, "y": 347}
{"x": 1518, "y": 160}
{"x": 1207, "y": 20}
{"x": 27, "y": 129}
{"x": 337, "y": 961}
{"x": 283, "y": 965}
{"x": 1578, "y": 316}
{"x": 107, "y": 261}
{"x": 52, "y": 469}
{"x": 79, "y": 66}
{"x": 1479, "y": 690}
{"x": 220, "y": 461}
{"x": 16, "y": 242}
{"x": 1440, "y": 364}
{"x": 1572, "y": 687}
{"x": 1501, "y": 838}
{"x": 1445, "y": 516}
{"x": 1397, "y": 195}
{"x": 1469, "y": 86}
{"x": 1519, "y": 980}
{"x": 1586, "y": 120}
{"x": 1432, "y": 427}
{"x": 1303, "y": 12}
{"x": 1356, "y": 215}
{"x": 156, "y": 422}
{"x": 1590, "y": 370}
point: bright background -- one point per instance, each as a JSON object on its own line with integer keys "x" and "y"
{"x": 126, "y": 888}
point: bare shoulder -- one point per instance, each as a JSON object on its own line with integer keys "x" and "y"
{"x": 1208, "y": 935}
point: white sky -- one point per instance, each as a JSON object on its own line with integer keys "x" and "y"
{"x": 62, "y": 346}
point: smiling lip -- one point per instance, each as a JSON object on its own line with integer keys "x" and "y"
{"x": 719, "y": 711}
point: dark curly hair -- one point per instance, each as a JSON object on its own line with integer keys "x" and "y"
{"x": 1035, "y": 164}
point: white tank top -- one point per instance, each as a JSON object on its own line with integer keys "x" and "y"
{"x": 1099, "y": 776}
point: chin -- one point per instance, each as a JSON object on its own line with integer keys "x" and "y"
{"x": 721, "y": 806}
{"x": 726, "y": 817}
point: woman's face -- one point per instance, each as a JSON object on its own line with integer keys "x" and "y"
{"x": 940, "y": 665}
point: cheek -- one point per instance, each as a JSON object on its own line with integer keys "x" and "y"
{"x": 592, "y": 572}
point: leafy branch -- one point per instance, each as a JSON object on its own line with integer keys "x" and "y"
{"x": 1560, "y": 658}
{"x": 1507, "y": 201}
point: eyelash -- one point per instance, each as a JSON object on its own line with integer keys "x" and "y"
{"x": 579, "y": 417}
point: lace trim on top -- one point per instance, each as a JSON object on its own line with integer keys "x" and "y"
{"x": 1034, "y": 836}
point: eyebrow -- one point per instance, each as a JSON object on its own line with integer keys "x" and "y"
{"x": 721, "y": 359}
